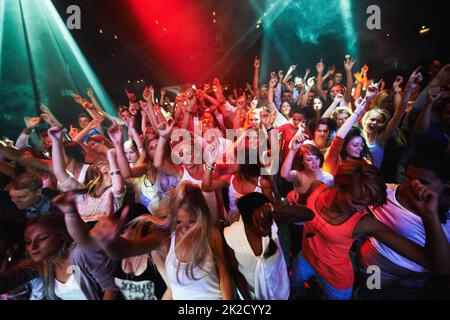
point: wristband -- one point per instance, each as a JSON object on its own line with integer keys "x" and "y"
{"x": 397, "y": 91}
{"x": 115, "y": 172}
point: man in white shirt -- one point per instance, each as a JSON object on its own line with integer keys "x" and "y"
{"x": 401, "y": 278}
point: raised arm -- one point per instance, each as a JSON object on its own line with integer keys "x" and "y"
{"x": 286, "y": 169}
{"x": 118, "y": 185}
{"x": 160, "y": 160}
{"x": 256, "y": 65}
{"x": 337, "y": 100}
{"x": 48, "y": 116}
{"x": 289, "y": 74}
{"x": 348, "y": 65}
{"x": 83, "y": 133}
{"x": 424, "y": 119}
{"x": 319, "y": 68}
{"x": 59, "y": 165}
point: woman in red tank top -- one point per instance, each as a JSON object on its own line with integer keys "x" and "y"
{"x": 340, "y": 218}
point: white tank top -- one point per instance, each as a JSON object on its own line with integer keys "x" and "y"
{"x": 210, "y": 197}
{"x": 206, "y": 287}
{"x": 234, "y": 195}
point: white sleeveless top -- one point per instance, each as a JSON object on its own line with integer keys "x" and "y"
{"x": 70, "y": 290}
{"x": 210, "y": 197}
{"x": 267, "y": 278}
{"x": 234, "y": 195}
{"x": 206, "y": 287}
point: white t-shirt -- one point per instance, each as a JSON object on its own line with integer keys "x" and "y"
{"x": 70, "y": 290}
{"x": 406, "y": 224}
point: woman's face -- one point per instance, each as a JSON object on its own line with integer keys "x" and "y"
{"x": 41, "y": 243}
{"x": 97, "y": 147}
{"x": 335, "y": 90}
{"x": 187, "y": 156}
{"x": 311, "y": 162}
{"x": 354, "y": 148}
{"x": 374, "y": 122}
{"x": 317, "y": 104}
{"x": 106, "y": 176}
{"x": 254, "y": 120}
{"x": 286, "y": 109}
{"x": 321, "y": 135}
{"x": 184, "y": 222}
{"x": 253, "y": 139}
{"x": 341, "y": 118}
{"x": 151, "y": 148}
{"x": 131, "y": 154}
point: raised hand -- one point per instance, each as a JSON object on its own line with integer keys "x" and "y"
{"x": 257, "y": 63}
{"x": 77, "y": 98}
{"x": 115, "y": 133}
{"x": 95, "y": 123}
{"x": 129, "y": 121}
{"x": 65, "y": 202}
{"x": 147, "y": 94}
{"x": 292, "y": 68}
{"x": 338, "y": 98}
{"x": 108, "y": 227}
{"x": 425, "y": 200}
{"x": 90, "y": 93}
{"x": 273, "y": 82}
{"x": 55, "y": 133}
{"x": 414, "y": 80}
{"x": 211, "y": 153}
{"x": 364, "y": 69}
{"x": 359, "y": 77}
{"x": 73, "y": 132}
{"x": 131, "y": 96}
{"x": 87, "y": 105}
{"x": 331, "y": 70}
{"x": 310, "y": 82}
{"x": 320, "y": 66}
{"x": 165, "y": 129}
{"x": 348, "y": 64}
{"x": 33, "y": 122}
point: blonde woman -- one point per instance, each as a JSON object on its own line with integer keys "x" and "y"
{"x": 102, "y": 178}
{"x": 195, "y": 261}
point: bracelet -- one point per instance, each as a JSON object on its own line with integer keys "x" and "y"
{"x": 210, "y": 167}
{"x": 190, "y": 112}
{"x": 397, "y": 92}
{"x": 115, "y": 172}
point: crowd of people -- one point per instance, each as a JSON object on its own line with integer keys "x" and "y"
{"x": 326, "y": 186}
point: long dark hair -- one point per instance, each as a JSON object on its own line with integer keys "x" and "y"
{"x": 353, "y": 133}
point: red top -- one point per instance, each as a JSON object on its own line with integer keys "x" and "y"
{"x": 328, "y": 250}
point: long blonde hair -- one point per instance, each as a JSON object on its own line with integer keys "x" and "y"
{"x": 193, "y": 248}
{"x": 54, "y": 222}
